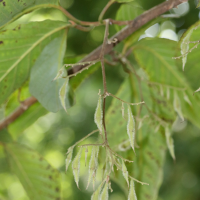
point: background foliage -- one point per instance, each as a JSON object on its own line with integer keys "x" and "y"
{"x": 51, "y": 134}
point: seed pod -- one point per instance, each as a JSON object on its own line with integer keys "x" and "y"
{"x": 76, "y": 166}
{"x": 177, "y": 106}
{"x": 125, "y": 172}
{"x": 93, "y": 165}
{"x": 98, "y": 116}
{"x": 61, "y": 74}
{"x": 131, "y": 128}
{"x": 132, "y": 194}
{"x": 63, "y": 92}
{"x": 170, "y": 142}
{"x": 104, "y": 193}
{"x": 69, "y": 157}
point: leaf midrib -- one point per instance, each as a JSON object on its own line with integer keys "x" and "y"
{"x": 30, "y": 49}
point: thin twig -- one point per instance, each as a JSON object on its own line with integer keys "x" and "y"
{"x": 105, "y": 9}
{"x": 135, "y": 104}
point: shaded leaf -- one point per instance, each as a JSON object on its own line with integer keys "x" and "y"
{"x": 11, "y": 10}
{"x": 38, "y": 178}
{"x": 21, "y": 47}
{"x": 43, "y": 72}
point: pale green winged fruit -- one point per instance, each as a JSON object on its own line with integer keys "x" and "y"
{"x": 125, "y": 172}
{"x": 177, "y": 106}
{"x": 69, "y": 157}
{"x": 104, "y": 194}
{"x": 132, "y": 194}
{"x": 131, "y": 128}
{"x": 63, "y": 93}
{"x": 97, "y": 193}
{"x": 98, "y": 116}
{"x": 170, "y": 142}
{"x": 93, "y": 165}
{"x": 76, "y": 166}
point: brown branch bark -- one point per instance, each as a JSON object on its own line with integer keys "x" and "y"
{"x": 95, "y": 54}
{"x": 19, "y": 111}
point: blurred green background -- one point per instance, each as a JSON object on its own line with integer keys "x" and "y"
{"x": 52, "y": 134}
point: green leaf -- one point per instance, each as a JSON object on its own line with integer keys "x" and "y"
{"x": 44, "y": 71}
{"x": 11, "y": 10}
{"x": 155, "y": 57}
{"x": 25, "y": 120}
{"x": 104, "y": 194}
{"x": 148, "y": 165}
{"x": 38, "y": 178}
{"x": 20, "y": 48}
{"x": 128, "y": 12}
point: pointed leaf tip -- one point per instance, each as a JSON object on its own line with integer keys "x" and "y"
{"x": 170, "y": 142}
{"x": 98, "y": 116}
{"x": 76, "y": 166}
{"x": 131, "y": 128}
{"x": 132, "y": 194}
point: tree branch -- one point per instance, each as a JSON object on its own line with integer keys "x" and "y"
{"x": 19, "y": 111}
{"x": 95, "y": 54}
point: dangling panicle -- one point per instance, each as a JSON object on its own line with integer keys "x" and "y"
{"x": 69, "y": 157}
{"x": 104, "y": 194}
{"x": 62, "y": 93}
{"x": 170, "y": 142}
{"x": 131, "y": 128}
{"x": 177, "y": 106}
{"x": 76, "y": 166}
{"x": 125, "y": 172}
{"x": 132, "y": 194}
{"x": 98, "y": 116}
{"x": 93, "y": 165}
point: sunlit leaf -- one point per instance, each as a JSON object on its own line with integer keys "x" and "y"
{"x": 43, "y": 72}
{"x": 11, "y": 10}
{"x": 38, "y": 178}
{"x": 21, "y": 47}
{"x": 76, "y": 166}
